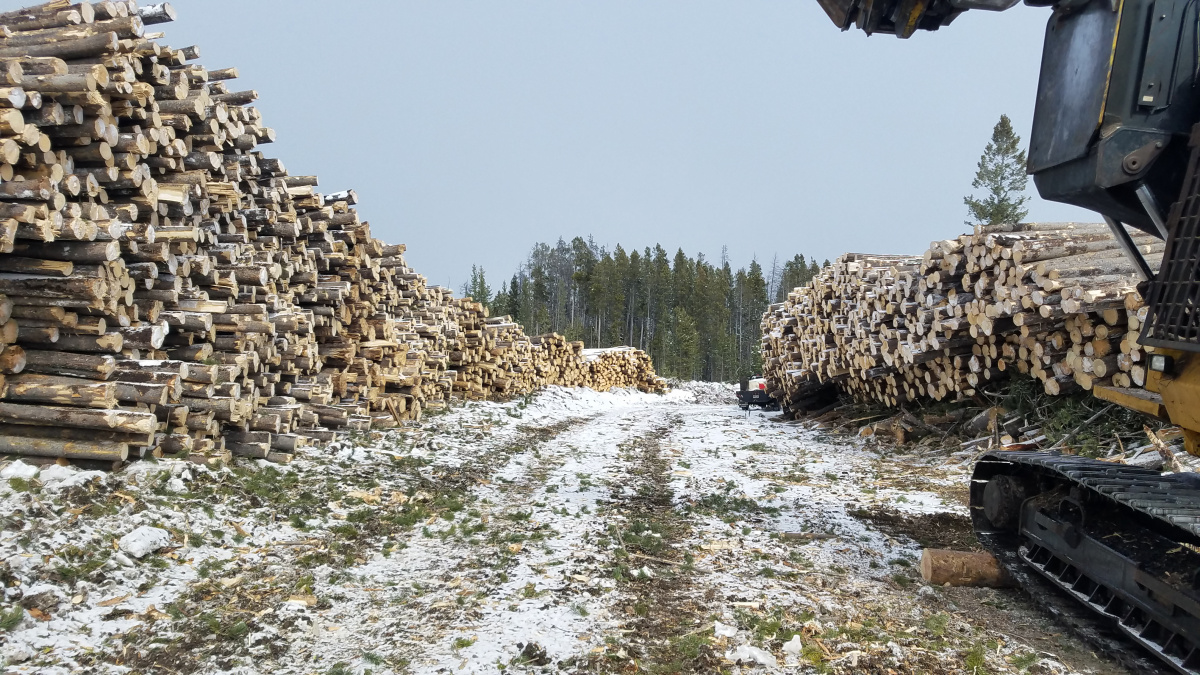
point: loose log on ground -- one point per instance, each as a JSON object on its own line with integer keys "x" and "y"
{"x": 942, "y": 567}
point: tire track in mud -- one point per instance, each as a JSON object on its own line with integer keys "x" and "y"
{"x": 470, "y": 570}
{"x": 663, "y": 614}
{"x": 539, "y": 590}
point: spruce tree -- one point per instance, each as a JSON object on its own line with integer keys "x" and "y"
{"x": 514, "y": 300}
{"x": 1002, "y": 178}
{"x": 795, "y": 273}
{"x": 685, "y": 344}
{"x": 478, "y": 288}
{"x": 501, "y": 300}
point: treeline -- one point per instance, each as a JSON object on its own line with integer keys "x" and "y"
{"x": 697, "y": 319}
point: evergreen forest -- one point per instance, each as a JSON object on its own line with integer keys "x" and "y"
{"x": 698, "y": 319}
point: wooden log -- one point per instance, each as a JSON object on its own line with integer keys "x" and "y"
{"x": 51, "y": 286}
{"x": 942, "y": 567}
{"x": 20, "y": 265}
{"x": 13, "y": 360}
{"x": 127, "y": 421}
{"x": 34, "y": 387}
{"x": 67, "y": 448}
{"x": 67, "y": 433}
{"x": 147, "y": 392}
{"x": 92, "y": 366}
{"x": 80, "y": 252}
{"x": 108, "y": 343}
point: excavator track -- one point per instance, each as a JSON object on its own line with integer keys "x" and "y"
{"x": 1112, "y": 551}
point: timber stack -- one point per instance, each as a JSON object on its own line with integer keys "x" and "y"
{"x": 1057, "y": 301}
{"x": 167, "y": 288}
{"x": 619, "y": 368}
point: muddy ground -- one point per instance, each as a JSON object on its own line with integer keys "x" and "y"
{"x": 569, "y": 532}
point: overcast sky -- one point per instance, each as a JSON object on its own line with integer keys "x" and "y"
{"x": 473, "y": 129}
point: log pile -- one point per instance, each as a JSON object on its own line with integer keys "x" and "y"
{"x": 619, "y": 368}
{"x": 1057, "y": 301}
{"x": 166, "y": 287}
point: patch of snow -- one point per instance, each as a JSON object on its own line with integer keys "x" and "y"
{"x": 706, "y": 393}
{"x": 18, "y": 469}
{"x": 724, "y": 630}
{"x": 56, "y": 473}
{"x": 793, "y": 648}
{"x": 144, "y": 540}
{"x": 751, "y": 654}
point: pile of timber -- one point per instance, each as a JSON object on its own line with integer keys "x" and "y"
{"x": 167, "y": 288}
{"x": 620, "y": 368}
{"x": 497, "y": 360}
{"x": 1057, "y": 301}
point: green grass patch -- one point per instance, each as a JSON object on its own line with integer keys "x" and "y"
{"x": 976, "y": 660}
{"x": 644, "y": 537}
{"x": 937, "y": 624}
{"x": 1024, "y": 662}
{"x": 19, "y": 484}
{"x": 728, "y": 507}
{"x": 11, "y": 618}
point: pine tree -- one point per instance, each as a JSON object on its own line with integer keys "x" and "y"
{"x": 538, "y": 314}
{"x": 756, "y": 304}
{"x": 660, "y": 303}
{"x": 502, "y": 301}
{"x": 795, "y": 273}
{"x": 1002, "y": 177}
{"x": 774, "y": 282}
{"x": 477, "y": 289}
{"x": 686, "y": 345}
{"x": 514, "y": 299}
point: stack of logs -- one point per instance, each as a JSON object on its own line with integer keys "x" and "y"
{"x": 167, "y": 288}
{"x": 615, "y": 368}
{"x": 1057, "y": 301}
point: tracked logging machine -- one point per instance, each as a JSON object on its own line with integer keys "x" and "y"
{"x": 1111, "y": 549}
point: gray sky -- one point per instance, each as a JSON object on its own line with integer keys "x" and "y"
{"x": 473, "y": 129}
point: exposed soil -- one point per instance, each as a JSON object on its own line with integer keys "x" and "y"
{"x": 929, "y": 530}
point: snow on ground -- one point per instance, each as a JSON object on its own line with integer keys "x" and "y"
{"x": 572, "y": 531}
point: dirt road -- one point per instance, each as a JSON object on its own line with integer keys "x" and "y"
{"x": 570, "y": 532}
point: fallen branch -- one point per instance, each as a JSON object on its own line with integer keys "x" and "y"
{"x": 1170, "y": 461}
{"x": 1069, "y": 437}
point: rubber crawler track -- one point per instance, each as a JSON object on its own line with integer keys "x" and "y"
{"x": 1171, "y": 501}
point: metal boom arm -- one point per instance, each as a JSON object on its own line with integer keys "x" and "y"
{"x": 903, "y": 17}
